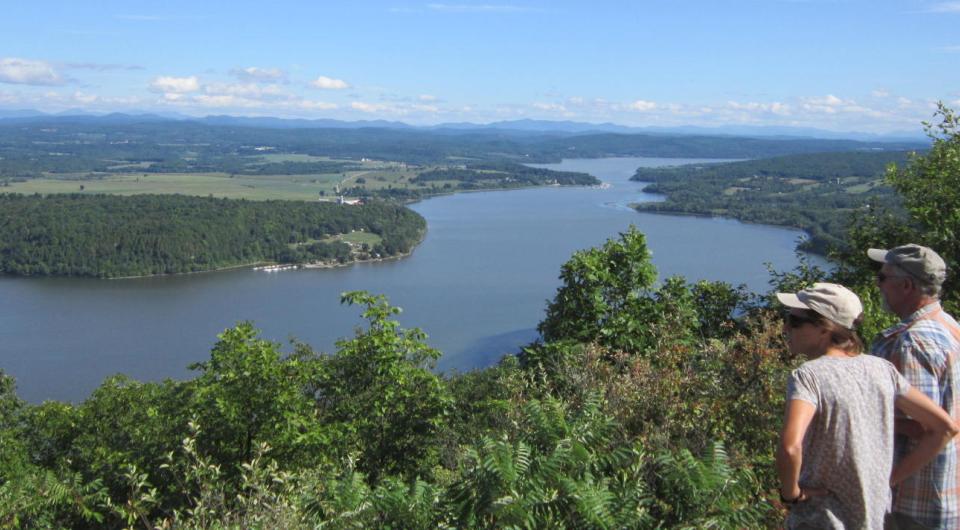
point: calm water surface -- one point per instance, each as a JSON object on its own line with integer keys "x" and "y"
{"x": 477, "y": 285}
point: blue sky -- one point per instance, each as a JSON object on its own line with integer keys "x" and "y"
{"x": 843, "y": 65}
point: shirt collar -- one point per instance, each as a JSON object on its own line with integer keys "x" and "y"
{"x": 923, "y": 312}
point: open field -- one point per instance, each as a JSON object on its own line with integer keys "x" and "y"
{"x": 294, "y": 157}
{"x": 357, "y": 238}
{"x": 252, "y": 187}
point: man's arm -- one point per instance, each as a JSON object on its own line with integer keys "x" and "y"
{"x": 790, "y": 451}
{"x": 938, "y": 428}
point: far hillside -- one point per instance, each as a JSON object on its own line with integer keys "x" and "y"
{"x": 817, "y": 192}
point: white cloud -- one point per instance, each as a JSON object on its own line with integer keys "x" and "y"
{"x": 880, "y": 93}
{"x": 86, "y": 99}
{"x": 368, "y": 107}
{"x": 328, "y": 83}
{"x": 945, "y": 7}
{"x": 307, "y": 104}
{"x": 829, "y": 100}
{"x": 253, "y": 73}
{"x": 828, "y": 104}
{"x": 175, "y": 85}
{"x": 27, "y": 72}
{"x": 773, "y": 108}
{"x": 950, "y": 49}
{"x": 249, "y": 90}
{"x": 641, "y": 105}
{"x": 554, "y": 107}
{"x": 426, "y": 97}
{"x": 224, "y": 100}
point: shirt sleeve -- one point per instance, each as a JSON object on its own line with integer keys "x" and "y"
{"x": 800, "y": 385}
{"x": 900, "y": 384}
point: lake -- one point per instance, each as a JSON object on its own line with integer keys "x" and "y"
{"x": 477, "y": 285}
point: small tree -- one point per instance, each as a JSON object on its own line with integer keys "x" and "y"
{"x": 379, "y": 389}
{"x": 248, "y": 394}
{"x": 599, "y": 287}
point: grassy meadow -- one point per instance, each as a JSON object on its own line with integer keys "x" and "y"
{"x": 303, "y": 187}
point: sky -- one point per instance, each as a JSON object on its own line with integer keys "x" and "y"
{"x": 843, "y": 65}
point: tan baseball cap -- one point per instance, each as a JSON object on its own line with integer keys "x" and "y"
{"x": 919, "y": 261}
{"x": 834, "y": 302}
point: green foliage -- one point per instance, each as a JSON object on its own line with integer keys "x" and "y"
{"x": 248, "y": 394}
{"x": 600, "y": 288}
{"x": 607, "y": 296}
{"x": 379, "y": 390}
{"x": 505, "y": 175}
{"x": 565, "y": 469}
{"x": 707, "y": 493}
{"x": 125, "y": 423}
{"x": 44, "y": 499}
{"x": 12, "y": 450}
{"x": 109, "y": 236}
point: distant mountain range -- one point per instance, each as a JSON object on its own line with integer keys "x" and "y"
{"x": 523, "y": 126}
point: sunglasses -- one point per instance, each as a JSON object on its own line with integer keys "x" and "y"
{"x": 795, "y": 321}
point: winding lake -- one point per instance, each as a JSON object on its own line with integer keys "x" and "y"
{"x": 477, "y": 285}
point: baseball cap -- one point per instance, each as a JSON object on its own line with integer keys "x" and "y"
{"x": 918, "y": 261}
{"x": 834, "y": 302}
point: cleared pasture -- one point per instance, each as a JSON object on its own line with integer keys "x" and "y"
{"x": 252, "y": 187}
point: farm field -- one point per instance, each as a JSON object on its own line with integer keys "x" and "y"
{"x": 251, "y": 187}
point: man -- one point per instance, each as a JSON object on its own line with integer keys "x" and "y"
{"x": 925, "y": 348}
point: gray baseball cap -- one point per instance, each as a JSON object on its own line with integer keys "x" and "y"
{"x": 834, "y": 302}
{"x": 919, "y": 261}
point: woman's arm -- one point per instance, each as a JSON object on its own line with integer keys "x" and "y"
{"x": 790, "y": 450}
{"x": 938, "y": 429}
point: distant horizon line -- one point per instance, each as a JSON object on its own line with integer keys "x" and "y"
{"x": 520, "y": 124}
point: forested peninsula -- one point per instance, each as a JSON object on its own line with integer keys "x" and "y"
{"x": 109, "y": 236}
{"x": 815, "y": 192}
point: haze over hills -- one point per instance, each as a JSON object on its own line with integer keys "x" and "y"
{"x": 526, "y": 125}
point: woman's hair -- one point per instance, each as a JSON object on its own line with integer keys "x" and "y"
{"x": 847, "y": 340}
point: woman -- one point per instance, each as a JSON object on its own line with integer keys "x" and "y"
{"x": 836, "y": 448}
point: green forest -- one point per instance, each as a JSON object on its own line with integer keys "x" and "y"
{"x": 818, "y": 192}
{"x": 647, "y": 403}
{"x": 108, "y": 236}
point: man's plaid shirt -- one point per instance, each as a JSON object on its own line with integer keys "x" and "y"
{"x": 925, "y": 347}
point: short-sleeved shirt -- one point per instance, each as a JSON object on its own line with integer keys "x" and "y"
{"x": 925, "y": 347}
{"x": 848, "y": 447}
